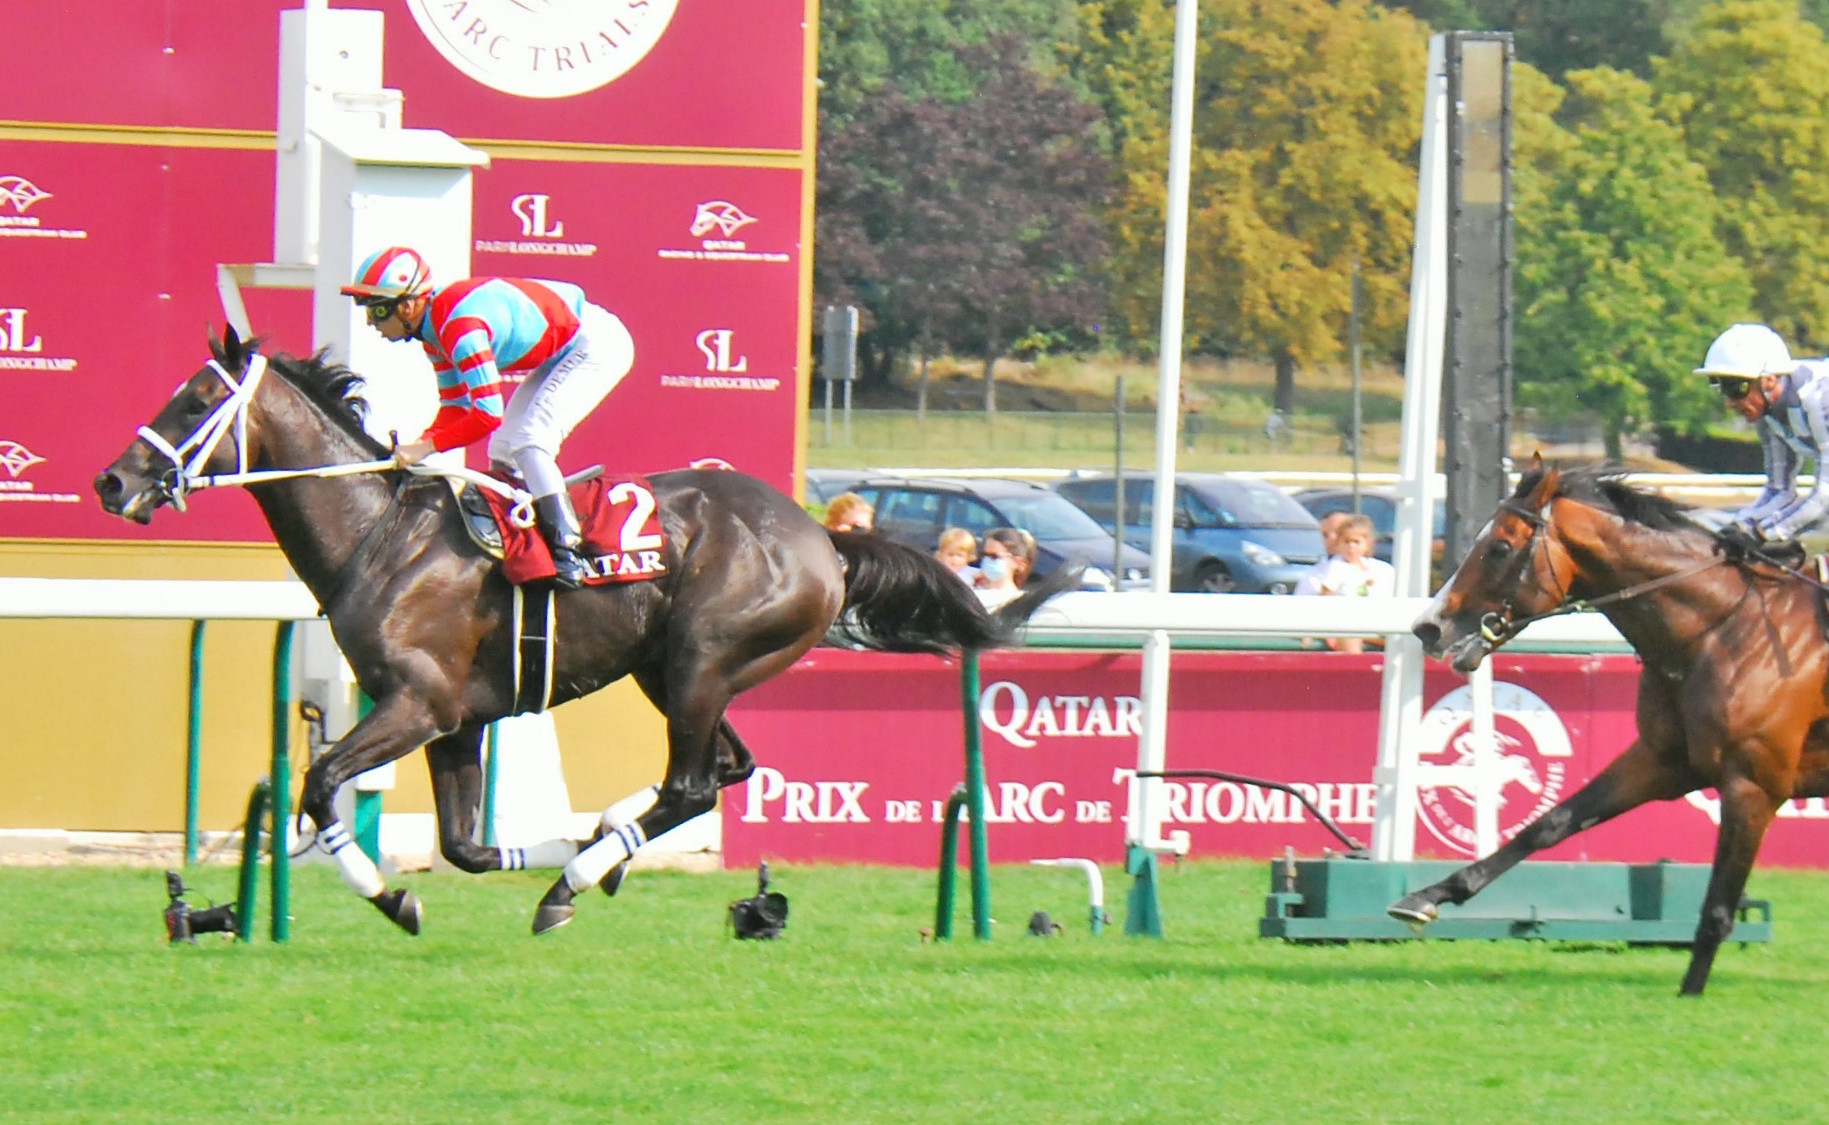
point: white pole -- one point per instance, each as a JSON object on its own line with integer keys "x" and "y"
{"x": 1485, "y": 790}
{"x": 1400, "y": 716}
{"x": 1146, "y": 826}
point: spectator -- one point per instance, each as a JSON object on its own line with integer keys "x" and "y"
{"x": 1353, "y": 572}
{"x": 1310, "y": 582}
{"x": 958, "y": 547}
{"x": 998, "y": 566}
{"x": 850, "y": 512}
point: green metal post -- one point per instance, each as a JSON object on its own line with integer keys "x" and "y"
{"x": 974, "y": 800}
{"x": 491, "y": 768}
{"x": 249, "y": 890}
{"x": 193, "y": 746}
{"x": 1143, "y": 918}
{"x": 366, "y": 831}
{"x": 949, "y": 865}
{"x": 281, "y": 777}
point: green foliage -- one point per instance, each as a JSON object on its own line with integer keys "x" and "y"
{"x": 1747, "y": 83}
{"x": 1306, "y": 119}
{"x": 1620, "y": 280}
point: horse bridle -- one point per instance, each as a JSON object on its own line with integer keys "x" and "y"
{"x": 230, "y": 413}
{"x": 1499, "y": 626}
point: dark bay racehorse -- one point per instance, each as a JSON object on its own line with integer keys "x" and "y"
{"x": 751, "y": 583}
{"x": 1731, "y": 695}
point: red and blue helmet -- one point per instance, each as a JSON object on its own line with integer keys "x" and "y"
{"x": 395, "y": 272}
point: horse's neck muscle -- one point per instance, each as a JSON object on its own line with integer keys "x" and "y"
{"x": 1616, "y": 555}
{"x": 317, "y": 521}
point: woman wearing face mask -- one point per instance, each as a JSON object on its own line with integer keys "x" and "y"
{"x": 1001, "y": 559}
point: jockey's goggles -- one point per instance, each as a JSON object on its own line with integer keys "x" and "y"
{"x": 380, "y": 309}
{"x": 1732, "y": 388}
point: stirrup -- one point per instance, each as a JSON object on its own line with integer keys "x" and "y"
{"x": 569, "y": 571}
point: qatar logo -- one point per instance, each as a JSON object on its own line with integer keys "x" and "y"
{"x": 1533, "y": 752}
{"x": 16, "y": 458}
{"x": 724, "y": 217}
{"x": 543, "y": 48}
{"x": 20, "y": 192}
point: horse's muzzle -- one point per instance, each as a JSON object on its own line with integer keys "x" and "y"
{"x": 118, "y": 498}
{"x": 1444, "y": 639}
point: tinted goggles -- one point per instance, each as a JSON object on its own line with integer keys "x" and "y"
{"x": 1733, "y": 390}
{"x": 380, "y": 310}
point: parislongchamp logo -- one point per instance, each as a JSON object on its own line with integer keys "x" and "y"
{"x": 543, "y": 48}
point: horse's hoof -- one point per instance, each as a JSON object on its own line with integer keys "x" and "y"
{"x": 1416, "y": 910}
{"x": 612, "y": 879}
{"x": 402, "y": 908}
{"x": 550, "y": 917}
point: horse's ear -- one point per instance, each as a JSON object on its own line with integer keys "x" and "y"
{"x": 231, "y": 341}
{"x": 1546, "y": 484}
{"x": 1537, "y": 461}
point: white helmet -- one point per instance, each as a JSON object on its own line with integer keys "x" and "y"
{"x": 1746, "y": 351}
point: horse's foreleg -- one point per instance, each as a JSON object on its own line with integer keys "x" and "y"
{"x": 395, "y": 726}
{"x": 456, "y": 766}
{"x": 1746, "y": 811}
{"x": 1638, "y": 775}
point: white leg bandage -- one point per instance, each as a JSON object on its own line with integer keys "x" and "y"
{"x": 594, "y": 862}
{"x": 629, "y": 808}
{"x": 546, "y": 853}
{"x": 358, "y": 870}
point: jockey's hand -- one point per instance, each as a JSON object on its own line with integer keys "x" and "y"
{"x": 413, "y": 452}
{"x": 1739, "y": 540}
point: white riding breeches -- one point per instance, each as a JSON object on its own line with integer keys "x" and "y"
{"x": 550, "y": 403}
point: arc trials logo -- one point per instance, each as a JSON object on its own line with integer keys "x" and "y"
{"x": 15, "y": 459}
{"x": 1533, "y": 757}
{"x": 17, "y": 196}
{"x": 543, "y": 48}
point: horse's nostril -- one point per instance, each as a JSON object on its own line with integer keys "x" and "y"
{"x": 1428, "y": 632}
{"x": 107, "y": 485}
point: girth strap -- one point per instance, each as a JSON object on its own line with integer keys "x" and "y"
{"x": 533, "y": 650}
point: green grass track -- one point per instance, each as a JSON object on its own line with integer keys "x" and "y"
{"x": 644, "y": 1010}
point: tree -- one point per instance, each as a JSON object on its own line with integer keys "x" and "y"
{"x": 1746, "y": 83}
{"x": 1621, "y": 282}
{"x": 972, "y": 221}
{"x": 1306, "y": 120}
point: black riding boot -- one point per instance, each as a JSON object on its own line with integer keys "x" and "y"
{"x": 559, "y": 525}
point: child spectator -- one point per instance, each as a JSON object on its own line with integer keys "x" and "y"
{"x": 850, "y": 512}
{"x": 958, "y": 547}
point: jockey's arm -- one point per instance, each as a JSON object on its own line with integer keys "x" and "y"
{"x": 1781, "y": 464}
{"x": 469, "y": 387}
{"x": 1793, "y": 516}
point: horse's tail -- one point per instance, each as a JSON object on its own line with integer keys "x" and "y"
{"x": 899, "y": 599}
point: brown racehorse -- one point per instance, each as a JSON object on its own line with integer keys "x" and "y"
{"x": 423, "y": 616}
{"x": 1731, "y": 695}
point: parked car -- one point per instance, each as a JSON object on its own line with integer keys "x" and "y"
{"x": 1381, "y": 505}
{"x": 916, "y": 511}
{"x": 1232, "y": 534}
{"x": 823, "y": 485}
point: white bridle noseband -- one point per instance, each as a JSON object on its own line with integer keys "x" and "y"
{"x": 230, "y": 413}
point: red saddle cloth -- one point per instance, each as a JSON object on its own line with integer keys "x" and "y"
{"x": 622, "y": 535}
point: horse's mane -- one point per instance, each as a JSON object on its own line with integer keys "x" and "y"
{"x": 1602, "y": 486}
{"x": 334, "y": 388}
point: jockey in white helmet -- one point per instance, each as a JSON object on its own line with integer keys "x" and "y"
{"x": 1787, "y": 400}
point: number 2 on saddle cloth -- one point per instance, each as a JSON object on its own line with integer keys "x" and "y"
{"x": 622, "y": 536}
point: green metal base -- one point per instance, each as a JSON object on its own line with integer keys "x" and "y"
{"x": 1143, "y": 918}
{"x": 1340, "y": 899}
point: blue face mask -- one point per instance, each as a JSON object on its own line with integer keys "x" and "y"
{"x": 996, "y": 568}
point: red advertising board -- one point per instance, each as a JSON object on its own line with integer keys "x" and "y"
{"x": 654, "y": 153}
{"x": 858, "y": 752}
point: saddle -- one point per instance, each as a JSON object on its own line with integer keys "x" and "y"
{"x": 619, "y": 517}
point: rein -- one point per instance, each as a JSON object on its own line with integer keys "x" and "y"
{"x": 231, "y": 415}
{"x": 1499, "y": 626}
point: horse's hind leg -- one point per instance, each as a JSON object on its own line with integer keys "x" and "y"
{"x": 1746, "y": 811}
{"x": 690, "y": 788}
{"x": 456, "y": 766}
{"x": 1638, "y": 775}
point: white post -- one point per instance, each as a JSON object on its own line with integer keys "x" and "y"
{"x": 1485, "y": 787}
{"x": 1400, "y": 719}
